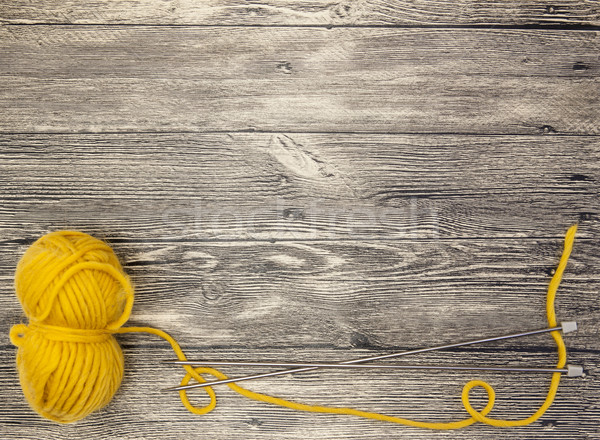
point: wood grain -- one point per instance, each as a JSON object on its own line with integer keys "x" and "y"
{"x": 99, "y": 79}
{"x": 306, "y": 13}
{"x": 278, "y": 186}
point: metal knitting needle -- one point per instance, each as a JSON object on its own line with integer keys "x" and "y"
{"x": 571, "y": 370}
{"x": 566, "y": 327}
{"x": 381, "y": 366}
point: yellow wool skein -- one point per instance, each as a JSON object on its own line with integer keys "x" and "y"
{"x": 76, "y": 296}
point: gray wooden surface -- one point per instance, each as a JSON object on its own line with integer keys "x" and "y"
{"x": 312, "y": 181}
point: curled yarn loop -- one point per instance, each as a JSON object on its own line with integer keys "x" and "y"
{"x": 77, "y": 296}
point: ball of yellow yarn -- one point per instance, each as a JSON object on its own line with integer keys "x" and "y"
{"x": 75, "y": 294}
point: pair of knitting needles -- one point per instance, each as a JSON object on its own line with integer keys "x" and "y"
{"x": 299, "y": 367}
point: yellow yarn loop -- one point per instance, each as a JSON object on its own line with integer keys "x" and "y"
{"x": 76, "y": 296}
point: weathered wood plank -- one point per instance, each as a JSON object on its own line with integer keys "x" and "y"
{"x": 280, "y": 79}
{"x": 276, "y": 186}
{"x": 359, "y": 294}
{"x": 69, "y": 52}
{"x": 314, "y": 12}
{"x": 274, "y": 301}
{"x": 139, "y": 409}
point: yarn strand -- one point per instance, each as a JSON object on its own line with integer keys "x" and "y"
{"x": 476, "y": 416}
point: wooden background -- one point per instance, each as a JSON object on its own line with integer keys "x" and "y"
{"x": 315, "y": 181}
